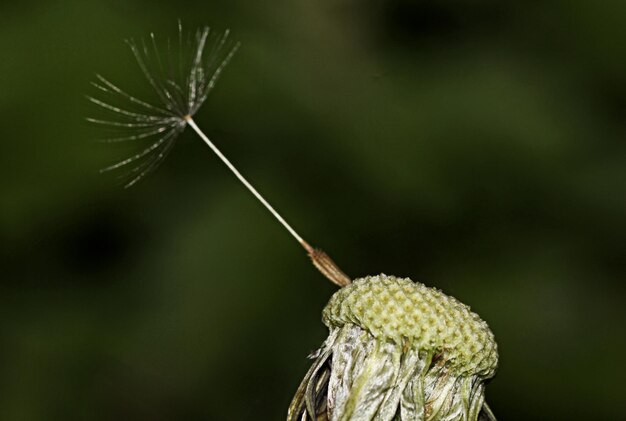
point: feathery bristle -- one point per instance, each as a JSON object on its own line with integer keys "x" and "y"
{"x": 181, "y": 80}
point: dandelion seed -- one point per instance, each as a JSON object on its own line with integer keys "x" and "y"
{"x": 182, "y": 81}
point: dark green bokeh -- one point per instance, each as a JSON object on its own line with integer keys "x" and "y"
{"x": 476, "y": 146}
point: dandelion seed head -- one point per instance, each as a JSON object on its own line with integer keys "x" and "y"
{"x": 398, "y": 350}
{"x": 181, "y": 73}
{"x": 398, "y": 309}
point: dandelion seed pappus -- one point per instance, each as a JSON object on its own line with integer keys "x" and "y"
{"x": 181, "y": 74}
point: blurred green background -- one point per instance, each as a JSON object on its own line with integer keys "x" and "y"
{"x": 477, "y": 146}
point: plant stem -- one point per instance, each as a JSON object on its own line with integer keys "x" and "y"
{"x": 320, "y": 259}
{"x": 249, "y": 186}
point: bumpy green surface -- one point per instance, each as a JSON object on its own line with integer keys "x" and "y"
{"x": 408, "y": 312}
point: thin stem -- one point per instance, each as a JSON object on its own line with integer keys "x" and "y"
{"x": 320, "y": 260}
{"x": 249, "y": 186}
